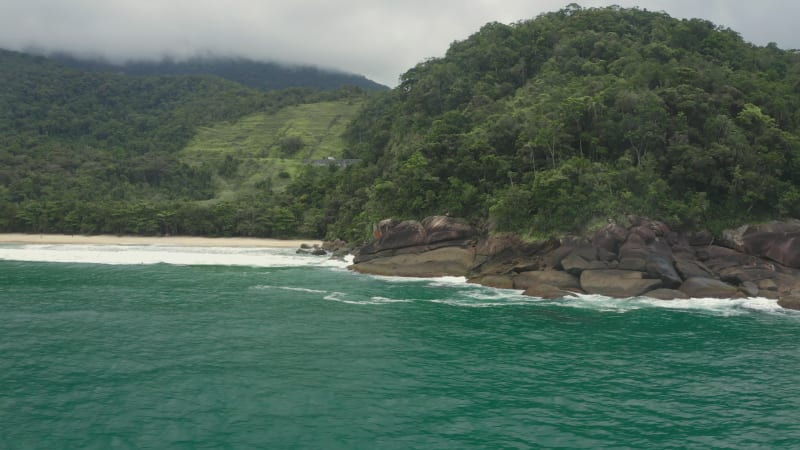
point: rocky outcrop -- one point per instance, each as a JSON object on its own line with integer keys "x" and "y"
{"x": 645, "y": 258}
{"x": 617, "y": 283}
{"x": 708, "y": 287}
{"x": 437, "y": 246}
{"x": 440, "y": 262}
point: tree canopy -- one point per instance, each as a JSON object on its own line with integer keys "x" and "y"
{"x": 580, "y": 116}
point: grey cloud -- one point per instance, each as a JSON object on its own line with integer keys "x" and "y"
{"x": 379, "y": 39}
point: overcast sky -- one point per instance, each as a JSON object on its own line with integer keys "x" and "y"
{"x": 377, "y": 38}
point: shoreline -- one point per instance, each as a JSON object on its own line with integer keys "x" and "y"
{"x": 178, "y": 241}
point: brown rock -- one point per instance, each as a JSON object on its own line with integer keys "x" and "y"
{"x": 666, "y": 294}
{"x": 691, "y": 269}
{"x": 637, "y": 264}
{"x": 708, "y": 287}
{"x": 700, "y": 238}
{"x": 749, "y": 288}
{"x": 741, "y": 274}
{"x": 442, "y": 228}
{"x": 557, "y": 278}
{"x": 647, "y": 234}
{"x": 391, "y": 237}
{"x": 662, "y": 269}
{"x": 616, "y": 283}
{"x": 719, "y": 258}
{"x": 610, "y": 237}
{"x": 448, "y": 261}
{"x": 495, "y": 281}
{"x": 508, "y": 253}
{"x": 778, "y": 241}
{"x": 767, "y": 284}
{"x": 582, "y": 258}
{"x": 790, "y": 302}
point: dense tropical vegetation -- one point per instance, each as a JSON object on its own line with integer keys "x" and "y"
{"x": 107, "y": 153}
{"x": 580, "y": 116}
{"x": 543, "y": 126}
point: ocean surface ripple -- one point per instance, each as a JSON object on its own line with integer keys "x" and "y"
{"x": 246, "y": 348}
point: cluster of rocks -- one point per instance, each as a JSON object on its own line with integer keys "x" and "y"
{"x": 336, "y": 249}
{"x": 643, "y": 259}
{"x": 315, "y": 250}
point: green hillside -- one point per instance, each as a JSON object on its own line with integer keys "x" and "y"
{"x": 545, "y": 126}
{"x": 578, "y": 117}
{"x": 85, "y": 152}
{"x": 271, "y": 148}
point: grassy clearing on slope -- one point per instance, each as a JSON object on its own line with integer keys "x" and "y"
{"x": 262, "y": 149}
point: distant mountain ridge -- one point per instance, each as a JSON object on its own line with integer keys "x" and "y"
{"x": 255, "y": 74}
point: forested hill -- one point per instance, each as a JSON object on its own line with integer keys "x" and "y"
{"x": 258, "y": 75}
{"x": 550, "y": 125}
{"x": 108, "y": 153}
{"x": 580, "y": 116}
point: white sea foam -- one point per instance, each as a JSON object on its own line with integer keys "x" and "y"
{"x": 341, "y": 297}
{"x": 716, "y": 306}
{"x": 290, "y": 288}
{"x": 448, "y": 281}
{"x": 164, "y": 254}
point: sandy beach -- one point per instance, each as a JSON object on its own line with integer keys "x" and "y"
{"x": 191, "y": 241}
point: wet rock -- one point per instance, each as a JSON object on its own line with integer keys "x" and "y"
{"x": 767, "y": 284}
{"x": 666, "y": 294}
{"x": 708, "y": 288}
{"x": 448, "y": 261}
{"x": 561, "y": 280}
{"x": 616, "y": 283}
{"x": 495, "y": 281}
{"x": 749, "y": 288}
{"x": 790, "y": 302}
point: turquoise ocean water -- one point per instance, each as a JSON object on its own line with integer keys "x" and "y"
{"x": 109, "y": 347}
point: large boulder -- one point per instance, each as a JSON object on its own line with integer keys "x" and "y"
{"x": 708, "y": 288}
{"x": 616, "y": 283}
{"x": 690, "y": 268}
{"x": 506, "y": 254}
{"x": 585, "y": 257}
{"x": 443, "y": 228}
{"x": 717, "y": 258}
{"x": 447, "y": 261}
{"x": 661, "y": 268}
{"x": 495, "y": 281}
{"x": 667, "y": 294}
{"x": 777, "y": 241}
{"x": 610, "y": 237}
{"x": 559, "y": 279}
{"x": 791, "y": 301}
{"x": 393, "y": 238}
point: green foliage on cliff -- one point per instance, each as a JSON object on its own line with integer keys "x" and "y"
{"x": 579, "y": 116}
